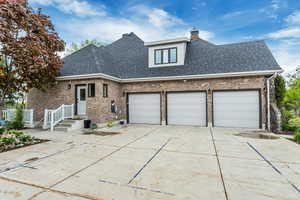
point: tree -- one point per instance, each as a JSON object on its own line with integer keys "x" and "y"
{"x": 292, "y": 97}
{"x": 28, "y": 50}
{"x": 294, "y": 76}
{"x": 74, "y": 47}
{"x": 280, "y": 90}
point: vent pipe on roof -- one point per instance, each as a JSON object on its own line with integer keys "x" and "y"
{"x": 195, "y": 34}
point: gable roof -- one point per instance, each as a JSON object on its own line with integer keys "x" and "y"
{"x": 127, "y": 58}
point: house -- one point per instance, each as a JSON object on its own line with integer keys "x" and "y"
{"x": 181, "y": 81}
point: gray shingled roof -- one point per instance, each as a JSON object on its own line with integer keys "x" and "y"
{"x": 128, "y": 58}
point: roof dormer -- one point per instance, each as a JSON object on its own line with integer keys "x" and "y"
{"x": 165, "y": 53}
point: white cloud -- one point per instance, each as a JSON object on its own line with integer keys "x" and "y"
{"x": 277, "y": 4}
{"x": 294, "y": 18}
{"x": 287, "y": 54}
{"x": 146, "y": 22}
{"x": 77, "y": 7}
{"x": 292, "y": 32}
{"x": 155, "y": 16}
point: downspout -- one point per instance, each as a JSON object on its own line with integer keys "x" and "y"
{"x": 268, "y": 101}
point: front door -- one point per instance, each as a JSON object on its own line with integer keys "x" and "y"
{"x": 81, "y": 100}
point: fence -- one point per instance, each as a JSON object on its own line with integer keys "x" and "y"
{"x": 10, "y": 113}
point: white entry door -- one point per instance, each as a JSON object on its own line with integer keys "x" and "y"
{"x": 237, "y": 109}
{"x": 186, "y": 108}
{"x": 144, "y": 108}
{"x": 81, "y": 100}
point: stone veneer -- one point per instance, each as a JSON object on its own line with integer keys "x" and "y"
{"x": 98, "y": 108}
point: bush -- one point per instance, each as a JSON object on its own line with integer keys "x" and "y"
{"x": 297, "y": 135}
{"x": 25, "y": 138}
{"x": 295, "y": 123}
{"x": 2, "y": 130}
{"x": 8, "y": 140}
{"x": 16, "y": 133}
{"x": 285, "y": 127}
{"x": 286, "y": 116}
{"x": 17, "y": 123}
{"x": 280, "y": 90}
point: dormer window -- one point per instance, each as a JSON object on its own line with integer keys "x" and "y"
{"x": 165, "y": 56}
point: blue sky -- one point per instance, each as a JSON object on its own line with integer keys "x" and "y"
{"x": 219, "y": 21}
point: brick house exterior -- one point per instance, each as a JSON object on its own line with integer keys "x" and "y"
{"x": 159, "y": 79}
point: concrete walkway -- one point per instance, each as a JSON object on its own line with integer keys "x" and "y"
{"x": 152, "y": 162}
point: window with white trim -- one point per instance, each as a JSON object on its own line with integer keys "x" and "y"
{"x": 165, "y": 56}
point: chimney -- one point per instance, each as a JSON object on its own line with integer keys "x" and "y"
{"x": 195, "y": 34}
{"x": 125, "y": 35}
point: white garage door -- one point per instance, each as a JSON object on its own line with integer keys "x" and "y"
{"x": 237, "y": 109}
{"x": 144, "y": 108}
{"x": 186, "y": 108}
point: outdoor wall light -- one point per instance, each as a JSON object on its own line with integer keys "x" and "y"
{"x": 209, "y": 91}
{"x": 69, "y": 86}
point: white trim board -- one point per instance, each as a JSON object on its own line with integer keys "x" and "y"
{"x": 204, "y": 76}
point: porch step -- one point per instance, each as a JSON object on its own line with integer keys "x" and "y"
{"x": 64, "y": 124}
{"x": 68, "y": 121}
{"x": 62, "y": 129}
{"x": 69, "y": 125}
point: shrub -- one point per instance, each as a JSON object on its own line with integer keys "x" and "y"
{"x": 285, "y": 127}
{"x": 286, "y": 116}
{"x": 2, "y": 130}
{"x": 25, "y": 138}
{"x": 297, "y": 135}
{"x": 295, "y": 123}
{"x": 17, "y": 123}
{"x": 8, "y": 140}
{"x": 16, "y": 133}
{"x": 280, "y": 90}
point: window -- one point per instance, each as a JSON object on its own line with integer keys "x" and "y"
{"x": 165, "y": 56}
{"x": 173, "y": 55}
{"x": 82, "y": 94}
{"x": 91, "y": 90}
{"x": 105, "y": 90}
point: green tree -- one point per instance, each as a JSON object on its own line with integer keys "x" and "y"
{"x": 280, "y": 90}
{"x": 75, "y": 47}
{"x": 292, "y": 97}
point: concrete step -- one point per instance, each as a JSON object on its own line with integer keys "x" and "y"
{"x": 63, "y": 124}
{"x": 63, "y": 129}
{"x": 69, "y": 121}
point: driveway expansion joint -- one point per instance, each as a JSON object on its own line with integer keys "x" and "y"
{"x": 155, "y": 154}
{"x": 275, "y": 168}
{"x": 219, "y": 164}
{"x": 95, "y": 162}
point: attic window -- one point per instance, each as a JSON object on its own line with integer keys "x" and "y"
{"x": 165, "y": 56}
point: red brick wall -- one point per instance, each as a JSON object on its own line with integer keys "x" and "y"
{"x": 98, "y": 108}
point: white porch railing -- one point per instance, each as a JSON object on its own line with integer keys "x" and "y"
{"x": 53, "y": 117}
{"x": 10, "y": 113}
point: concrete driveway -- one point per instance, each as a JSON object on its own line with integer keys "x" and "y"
{"x": 152, "y": 162}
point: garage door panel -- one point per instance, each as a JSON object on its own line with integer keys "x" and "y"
{"x": 144, "y": 108}
{"x": 240, "y": 109}
{"x": 186, "y": 108}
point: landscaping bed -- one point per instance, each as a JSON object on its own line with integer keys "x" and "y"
{"x": 12, "y": 139}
